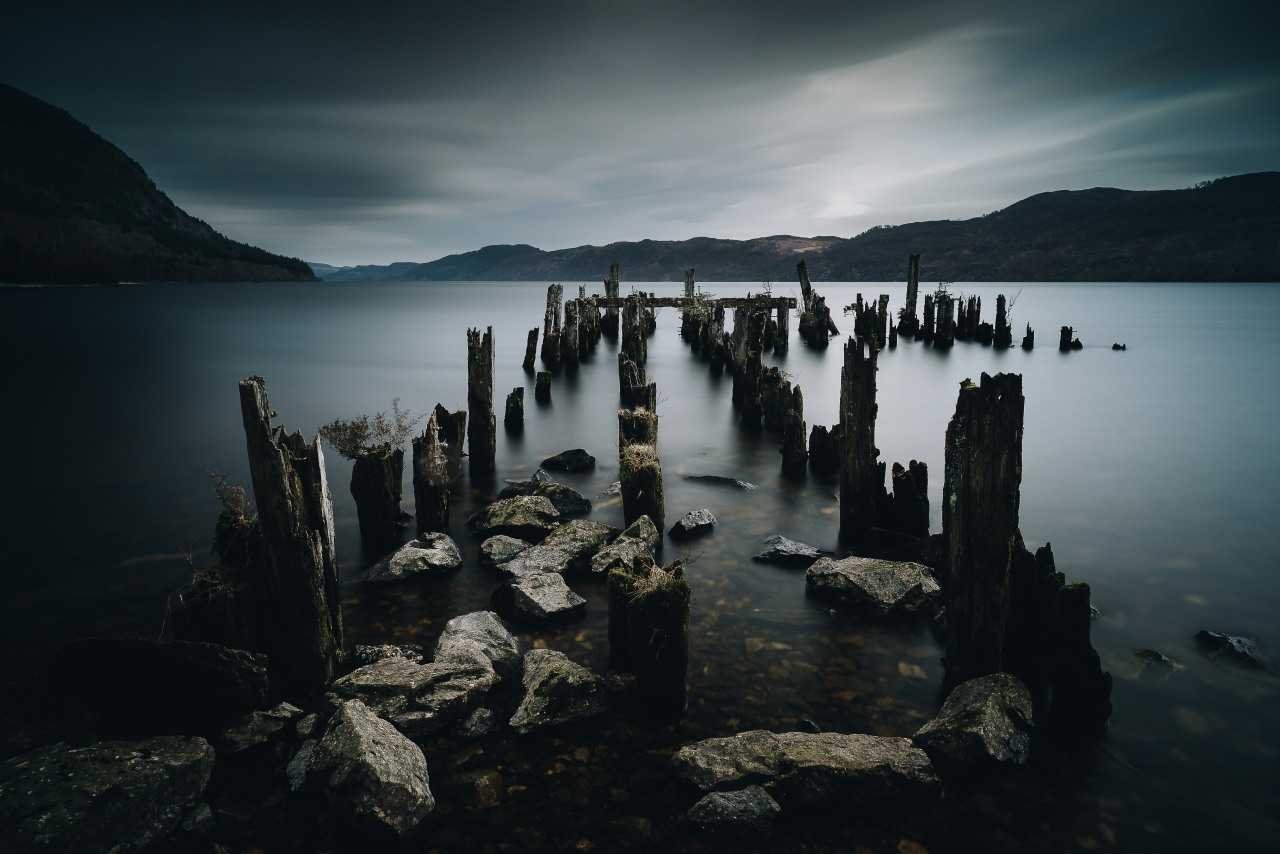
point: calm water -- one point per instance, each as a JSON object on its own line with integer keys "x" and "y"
{"x": 1152, "y": 471}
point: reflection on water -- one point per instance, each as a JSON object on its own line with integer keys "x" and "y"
{"x": 1152, "y": 471}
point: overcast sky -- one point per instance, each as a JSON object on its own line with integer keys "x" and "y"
{"x": 370, "y": 133}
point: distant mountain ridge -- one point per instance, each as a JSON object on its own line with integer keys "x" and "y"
{"x": 76, "y": 209}
{"x": 1223, "y": 230}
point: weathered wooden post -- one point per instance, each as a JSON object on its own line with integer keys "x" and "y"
{"x": 1067, "y": 340}
{"x": 453, "y": 429}
{"x": 862, "y": 495}
{"x": 1029, "y": 340}
{"x": 430, "y": 480}
{"x": 638, "y": 426}
{"x": 588, "y": 323}
{"x": 513, "y": 418}
{"x": 782, "y": 339}
{"x": 1003, "y": 335}
{"x": 551, "y": 328}
{"x": 824, "y": 451}
{"x": 773, "y": 401}
{"x": 911, "y": 498}
{"x": 908, "y": 321}
{"x": 893, "y": 337}
{"x": 609, "y": 324}
{"x": 794, "y": 453}
{"x": 376, "y": 483}
{"x": 633, "y": 344}
{"x": 715, "y": 346}
{"x": 530, "y": 351}
{"x": 980, "y": 496}
{"x": 303, "y": 605}
{"x": 542, "y": 387}
{"x": 569, "y": 351}
{"x": 926, "y": 332}
{"x": 945, "y": 336}
{"x": 882, "y": 321}
{"x": 640, "y": 473}
{"x": 482, "y": 431}
{"x": 657, "y": 615}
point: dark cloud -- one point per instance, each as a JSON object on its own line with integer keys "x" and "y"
{"x": 366, "y": 133}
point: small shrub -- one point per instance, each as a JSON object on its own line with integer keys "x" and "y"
{"x": 377, "y": 434}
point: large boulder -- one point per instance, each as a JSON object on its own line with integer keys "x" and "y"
{"x": 983, "y": 721}
{"x": 567, "y": 500}
{"x": 1235, "y": 648}
{"x": 538, "y": 597}
{"x": 556, "y": 691}
{"x": 373, "y": 777}
{"x": 743, "y": 811}
{"x": 784, "y": 552}
{"x": 109, "y": 796}
{"x": 495, "y": 551}
{"x": 419, "y": 699}
{"x": 566, "y": 549}
{"x": 813, "y": 770}
{"x": 884, "y": 588}
{"x": 133, "y": 687}
{"x": 575, "y": 460}
{"x": 428, "y": 553}
{"x": 479, "y": 635}
{"x": 526, "y": 517}
{"x": 638, "y": 540}
{"x": 692, "y": 524}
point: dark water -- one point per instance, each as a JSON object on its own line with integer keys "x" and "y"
{"x": 1153, "y": 472}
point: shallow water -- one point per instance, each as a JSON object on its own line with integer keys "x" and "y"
{"x": 1152, "y": 471}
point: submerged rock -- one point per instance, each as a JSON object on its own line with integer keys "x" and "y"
{"x": 495, "y": 551}
{"x": 720, "y": 480}
{"x": 749, "y": 810}
{"x": 984, "y": 720}
{"x": 433, "y": 552}
{"x": 259, "y": 728}
{"x": 884, "y": 588}
{"x": 373, "y": 777}
{"x": 109, "y": 796}
{"x": 557, "y": 691}
{"x": 538, "y": 597}
{"x": 693, "y": 523}
{"x": 575, "y": 460}
{"x": 1236, "y": 648}
{"x": 814, "y": 769}
{"x": 639, "y": 539}
{"x": 566, "y": 549}
{"x": 479, "y": 635}
{"x": 527, "y": 517}
{"x": 419, "y": 699}
{"x": 784, "y": 552}
{"x": 1154, "y": 660}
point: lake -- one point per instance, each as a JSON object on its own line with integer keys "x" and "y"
{"x": 1152, "y": 471}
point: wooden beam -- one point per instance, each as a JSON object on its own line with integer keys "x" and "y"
{"x": 684, "y": 302}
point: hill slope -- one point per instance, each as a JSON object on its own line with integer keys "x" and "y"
{"x": 76, "y": 209}
{"x": 1227, "y": 230}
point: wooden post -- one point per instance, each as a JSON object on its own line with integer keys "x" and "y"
{"x": 909, "y": 322}
{"x": 569, "y": 352}
{"x": 862, "y": 495}
{"x": 303, "y": 616}
{"x": 513, "y": 419}
{"x": 782, "y": 340}
{"x": 657, "y": 638}
{"x": 926, "y": 332}
{"x": 641, "y": 475}
{"x": 882, "y": 321}
{"x": 542, "y": 387}
{"x": 911, "y": 498}
{"x": 1003, "y": 335}
{"x": 794, "y": 453}
{"x": 551, "y": 328}
{"x": 430, "y": 480}
{"x": 376, "y": 484}
{"x": 980, "y": 498}
{"x": 453, "y": 429}
{"x": 1029, "y": 340}
{"x": 530, "y": 351}
{"x": 609, "y": 324}
{"x": 482, "y": 431}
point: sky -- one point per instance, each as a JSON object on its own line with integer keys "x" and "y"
{"x": 372, "y": 133}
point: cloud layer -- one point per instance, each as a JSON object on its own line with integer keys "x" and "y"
{"x": 366, "y": 135}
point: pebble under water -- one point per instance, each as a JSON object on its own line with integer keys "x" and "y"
{"x": 1150, "y": 470}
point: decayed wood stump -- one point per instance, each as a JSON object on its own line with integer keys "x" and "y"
{"x": 431, "y": 480}
{"x": 513, "y": 418}
{"x": 376, "y": 484}
{"x": 530, "y": 351}
{"x": 482, "y": 440}
{"x": 295, "y": 510}
{"x": 911, "y": 499}
{"x": 649, "y": 626}
{"x": 862, "y": 495}
{"x": 452, "y": 427}
{"x": 640, "y": 474}
{"x": 542, "y": 387}
{"x": 794, "y": 453}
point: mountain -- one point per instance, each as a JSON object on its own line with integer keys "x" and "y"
{"x": 76, "y": 209}
{"x": 1224, "y": 230}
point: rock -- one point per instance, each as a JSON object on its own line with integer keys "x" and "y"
{"x": 433, "y": 552}
{"x": 306, "y": 725}
{"x": 495, "y": 551}
{"x": 367, "y": 654}
{"x": 1153, "y": 658}
{"x": 784, "y": 552}
{"x": 259, "y": 728}
{"x": 1241, "y": 650}
{"x": 567, "y": 500}
{"x": 884, "y": 588}
{"x": 538, "y": 597}
{"x": 720, "y": 480}
{"x": 109, "y": 796}
{"x": 373, "y": 777}
{"x": 527, "y": 517}
{"x": 568, "y": 548}
{"x": 983, "y": 721}
{"x": 807, "y": 770}
{"x": 556, "y": 691}
{"x": 419, "y": 699}
{"x": 480, "y": 634}
{"x": 640, "y": 539}
{"x": 612, "y": 490}
{"x": 692, "y": 524}
{"x": 133, "y": 687}
{"x": 575, "y": 460}
{"x": 749, "y": 810}
{"x": 479, "y": 723}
